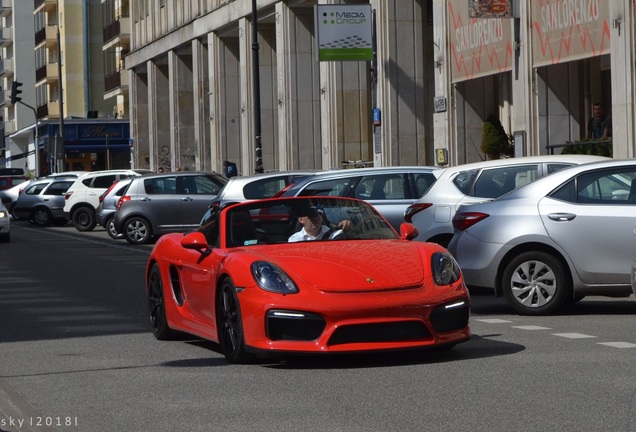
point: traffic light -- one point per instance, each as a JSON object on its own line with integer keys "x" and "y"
{"x": 15, "y": 91}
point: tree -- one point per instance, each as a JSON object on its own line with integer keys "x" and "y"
{"x": 495, "y": 142}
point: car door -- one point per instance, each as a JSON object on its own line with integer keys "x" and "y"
{"x": 592, "y": 219}
{"x": 53, "y": 197}
{"x": 196, "y": 192}
{"x": 159, "y": 202}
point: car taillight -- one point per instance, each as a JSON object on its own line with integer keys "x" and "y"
{"x": 122, "y": 200}
{"x": 68, "y": 195}
{"x": 463, "y": 221}
{"x": 102, "y": 196}
{"x": 413, "y": 209}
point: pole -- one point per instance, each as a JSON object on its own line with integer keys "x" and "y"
{"x": 107, "y": 154}
{"x": 257, "y": 91}
{"x": 62, "y": 148}
{"x": 37, "y": 139}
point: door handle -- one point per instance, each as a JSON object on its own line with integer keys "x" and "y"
{"x": 186, "y": 199}
{"x": 145, "y": 199}
{"x": 561, "y": 217}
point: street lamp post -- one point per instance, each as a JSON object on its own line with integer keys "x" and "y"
{"x": 257, "y": 91}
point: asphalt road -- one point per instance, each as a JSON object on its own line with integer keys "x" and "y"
{"x": 76, "y": 354}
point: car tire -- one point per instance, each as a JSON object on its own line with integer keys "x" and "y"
{"x": 137, "y": 231}
{"x": 157, "y": 307}
{"x": 41, "y": 216}
{"x": 230, "y": 324}
{"x": 84, "y": 219}
{"x": 110, "y": 229}
{"x": 12, "y": 212}
{"x": 536, "y": 283}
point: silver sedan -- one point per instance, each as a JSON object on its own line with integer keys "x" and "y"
{"x": 568, "y": 235}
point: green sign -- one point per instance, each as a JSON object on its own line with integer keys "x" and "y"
{"x": 344, "y": 32}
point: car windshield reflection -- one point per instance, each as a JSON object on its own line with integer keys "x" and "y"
{"x": 300, "y": 219}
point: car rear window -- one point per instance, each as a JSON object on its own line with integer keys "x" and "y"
{"x": 102, "y": 182}
{"x": 335, "y": 187}
{"x": 265, "y": 188}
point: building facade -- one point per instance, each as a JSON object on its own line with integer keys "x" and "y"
{"x": 16, "y": 64}
{"x": 68, "y": 57}
{"x": 438, "y": 75}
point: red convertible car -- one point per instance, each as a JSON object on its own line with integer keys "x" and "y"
{"x": 305, "y": 275}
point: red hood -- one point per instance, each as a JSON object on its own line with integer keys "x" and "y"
{"x": 351, "y": 266}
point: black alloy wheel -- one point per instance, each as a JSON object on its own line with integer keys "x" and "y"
{"x": 230, "y": 325}
{"x": 157, "y": 307}
{"x": 84, "y": 219}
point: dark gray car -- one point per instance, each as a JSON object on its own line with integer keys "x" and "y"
{"x": 42, "y": 201}
{"x": 171, "y": 202}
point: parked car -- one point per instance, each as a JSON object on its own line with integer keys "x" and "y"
{"x": 389, "y": 189}
{"x": 82, "y": 198}
{"x": 10, "y": 196}
{"x": 42, "y": 201}
{"x": 565, "y": 236}
{"x": 432, "y": 214}
{"x": 158, "y": 204}
{"x": 236, "y": 280}
{"x": 105, "y": 213}
{"x": 257, "y": 186}
{"x": 10, "y": 177}
{"x": 5, "y": 224}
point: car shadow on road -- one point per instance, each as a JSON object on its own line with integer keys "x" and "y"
{"x": 484, "y": 346}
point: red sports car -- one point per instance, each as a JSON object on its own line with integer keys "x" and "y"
{"x": 310, "y": 275}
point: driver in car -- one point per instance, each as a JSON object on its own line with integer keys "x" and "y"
{"x": 311, "y": 218}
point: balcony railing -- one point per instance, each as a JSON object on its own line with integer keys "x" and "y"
{"x": 49, "y": 110}
{"x": 6, "y": 67}
{"x": 49, "y": 72}
{"x": 6, "y": 37}
{"x": 120, "y": 28}
{"x": 46, "y": 5}
{"x": 5, "y": 8}
{"x": 46, "y": 34}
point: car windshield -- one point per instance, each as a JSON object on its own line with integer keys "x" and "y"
{"x": 276, "y": 221}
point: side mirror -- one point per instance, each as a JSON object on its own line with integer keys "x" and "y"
{"x": 408, "y": 231}
{"x": 195, "y": 240}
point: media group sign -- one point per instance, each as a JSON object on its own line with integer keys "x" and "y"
{"x": 344, "y": 32}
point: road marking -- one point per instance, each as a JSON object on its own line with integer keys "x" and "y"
{"x": 573, "y": 335}
{"x": 493, "y": 321}
{"x": 618, "y": 344}
{"x": 531, "y": 327}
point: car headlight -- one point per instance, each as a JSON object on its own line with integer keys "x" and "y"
{"x": 3, "y": 214}
{"x": 445, "y": 269}
{"x": 271, "y": 278}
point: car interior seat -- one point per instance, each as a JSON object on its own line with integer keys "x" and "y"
{"x": 242, "y": 230}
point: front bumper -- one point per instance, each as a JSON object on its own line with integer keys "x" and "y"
{"x": 355, "y": 322}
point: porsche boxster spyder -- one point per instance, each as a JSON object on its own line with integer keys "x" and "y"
{"x": 239, "y": 281}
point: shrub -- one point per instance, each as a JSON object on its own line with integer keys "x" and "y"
{"x": 495, "y": 143}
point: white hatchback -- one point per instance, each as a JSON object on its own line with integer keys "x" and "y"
{"x": 477, "y": 182}
{"x": 82, "y": 198}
